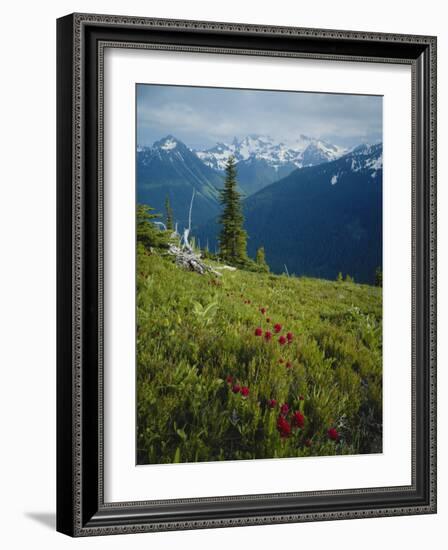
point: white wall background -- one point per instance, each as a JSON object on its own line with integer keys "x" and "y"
{"x": 27, "y": 272}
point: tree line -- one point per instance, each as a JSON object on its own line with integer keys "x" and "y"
{"x": 232, "y": 238}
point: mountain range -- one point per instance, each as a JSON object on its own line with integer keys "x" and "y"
{"x": 261, "y": 160}
{"x": 170, "y": 168}
{"x": 304, "y": 151}
{"x": 314, "y": 206}
{"x": 322, "y": 220}
{"x": 319, "y": 220}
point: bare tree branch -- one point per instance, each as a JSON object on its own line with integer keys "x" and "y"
{"x": 188, "y": 229}
{"x": 161, "y": 224}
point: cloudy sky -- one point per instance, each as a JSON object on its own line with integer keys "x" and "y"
{"x": 200, "y": 117}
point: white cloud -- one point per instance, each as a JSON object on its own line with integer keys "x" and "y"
{"x": 202, "y": 116}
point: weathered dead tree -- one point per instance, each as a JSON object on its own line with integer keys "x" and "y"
{"x": 187, "y": 259}
{"x": 184, "y": 255}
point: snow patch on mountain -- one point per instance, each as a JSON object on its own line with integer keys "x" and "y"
{"x": 301, "y": 152}
{"x": 169, "y": 144}
{"x": 375, "y": 163}
{"x": 366, "y": 157}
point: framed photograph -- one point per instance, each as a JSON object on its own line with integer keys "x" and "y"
{"x": 246, "y": 274}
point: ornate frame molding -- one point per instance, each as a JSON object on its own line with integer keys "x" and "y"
{"x": 82, "y": 511}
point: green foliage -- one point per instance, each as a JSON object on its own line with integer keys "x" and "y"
{"x": 194, "y": 331}
{"x": 148, "y": 234}
{"x": 206, "y": 254}
{"x": 205, "y": 314}
{"x": 169, "y": 215}
{"x": 260, "y": 259}
{"x": 349, "y": 279}
{"x": 233, "y": 238}
{"x": 378, "y": 277}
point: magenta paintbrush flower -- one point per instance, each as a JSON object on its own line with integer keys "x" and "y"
{"x": 283, "y": 426}
{"x": 298, "y": 419}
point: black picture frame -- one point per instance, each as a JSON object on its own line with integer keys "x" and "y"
{"x": 81, "y": 510}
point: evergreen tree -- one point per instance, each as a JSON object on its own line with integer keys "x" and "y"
{"x": 339, "y": 277}
{"x": 169, "y": 215}
{"x": 260, "y": 259}
{"x": 148, "y": 234}
{"x": 233, "y": 238}
{"x": 378, "y": 277}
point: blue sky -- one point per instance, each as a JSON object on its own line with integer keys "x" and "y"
{"x": 201, "y": 117}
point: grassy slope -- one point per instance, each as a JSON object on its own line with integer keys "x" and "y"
{"x": 194, "y": 331}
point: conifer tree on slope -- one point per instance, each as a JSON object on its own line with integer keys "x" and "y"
{"x": 233, "y": 238}
{"x": 169, "y": 215}
{"x": 260, "y": 259}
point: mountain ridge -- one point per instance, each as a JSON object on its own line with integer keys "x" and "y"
{"x": 319, "y": 220}
{"x": 304, "y": 151}
{"x": 169, "y": 169}
{"x": 303, "y": 206}
{"x": 260, "y": 162}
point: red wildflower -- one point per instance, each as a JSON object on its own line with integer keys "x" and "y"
{"x": 283, "y": 426}
{"x": 301, "y": 398}
{"x": 258, "y": 331}
{"x": 268, "y": 319}
{"x": 229, "y": 379}
{"x": 267, "y": 335}
{"x": 290, "y": 337}
{"x": 277, "y": 327}
{"x": 307, "y": 442}
{"x": 333, "y": 434}
{"x": 248, "y": 301}
{"x": 298, "y": 419}
{"x": 244, "y": 391}
{"x": 284, "y": 408}
{"x": 289, "y": 365}
{"x": 281, "y": 361}
{"x": 272, "y": 403}
{"x": 263, "y": 310}
{"x": 236, "y": 388}
{"x": 282, "y": 340}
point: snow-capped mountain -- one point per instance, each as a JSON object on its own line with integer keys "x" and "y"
{"x": 168, "y": 147}
{"x": 169, "y": 169}
{"x": 304, "y": 151}
{"x": 366, "y": 159}
{"x": 324, "y": 219}
{"x": 328, "y": 218}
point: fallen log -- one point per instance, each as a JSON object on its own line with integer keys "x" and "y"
{"x": 189, "y": 260}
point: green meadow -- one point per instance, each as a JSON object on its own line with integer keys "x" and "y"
{"x": 254, "y": 365}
